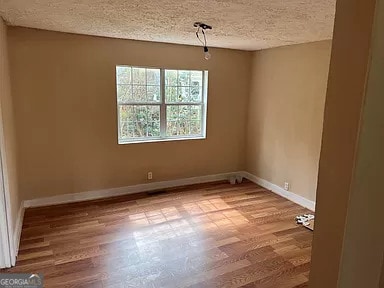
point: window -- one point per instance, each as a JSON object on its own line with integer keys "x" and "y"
{"x": 160, "y": 104}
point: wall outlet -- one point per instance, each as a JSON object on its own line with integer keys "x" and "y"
{"x": 149, "y": 176}
{"x": 286, "y": 186}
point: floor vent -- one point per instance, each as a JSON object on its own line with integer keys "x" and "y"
{"x": 156, "y": 192}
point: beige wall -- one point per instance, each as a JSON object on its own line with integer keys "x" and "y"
{"x": 6, "y": 108}
{"x": 64, "y": 91}
{"x": 348, "y": 239}
{"x": 286, "y": 107}
{"x": 363, "y": 245}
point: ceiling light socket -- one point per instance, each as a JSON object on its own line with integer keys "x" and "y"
{"x": 207, "y": 55}
{"x": 202, "y": 25}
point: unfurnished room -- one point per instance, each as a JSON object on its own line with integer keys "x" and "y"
{"x": 191, "y": 143}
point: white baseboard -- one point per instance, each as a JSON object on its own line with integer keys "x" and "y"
{"x": 280, "y": 191}
{"x": 18, "y": 228}
{"x": 104, "y": 193}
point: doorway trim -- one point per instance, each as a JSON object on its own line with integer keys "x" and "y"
{"x": 7, "y": 256}
{"x": 6, "y": 247}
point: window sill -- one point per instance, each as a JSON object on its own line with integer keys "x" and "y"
{"x": 123, "y": 142}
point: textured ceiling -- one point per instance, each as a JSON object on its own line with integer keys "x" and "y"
{"x": 238, "y": 24}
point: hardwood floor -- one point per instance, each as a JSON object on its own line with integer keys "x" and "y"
{"x": 210, "y": 235}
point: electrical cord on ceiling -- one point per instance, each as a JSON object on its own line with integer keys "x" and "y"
{"x": 205, "y": 39}
{"x": 198, "y": 37}
{"x": 202, "y": 27}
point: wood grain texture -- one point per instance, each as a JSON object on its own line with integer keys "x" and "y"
{"x": 209, "y": 235}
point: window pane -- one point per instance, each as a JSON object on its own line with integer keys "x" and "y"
{"x": 196, "y": 112}
{"x": 153, "y": 120}
{"x": 172, "y": 128}
{"x": 196, "y": 94}
{"x": 183, "y": 94}
{"x": 153, "y": 76}
{"x": 139, "y": 93}
{"x": 195, "y": 127}
{"x": 184, "y": 113}
{"x": 123, "y": 75}
{"x": 124, "y": 93}
{"x": 197, "y": 78}
{"x": 154, "y": 113}
{"x": 196, "y": 86}
{"x": 138, "y": 75}
{"x": 170, "y": 94}
{"x": 172, "y": 113}
{"x": 154, "y": 129}
{"x": 184, "y": 120}
{"x": 123, "y": 113}
{"x": 189, "y": 86}
{"x": 137, "y": 85}
{"x": 139, "y": 121}
{"x": 184, "y": 78}
{"x": 153, "y": 94}
{"x": 124, "y": 130}
{"x": 171, "y": 77}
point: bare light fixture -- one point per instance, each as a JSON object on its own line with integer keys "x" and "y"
{"x": 201, "y": 27}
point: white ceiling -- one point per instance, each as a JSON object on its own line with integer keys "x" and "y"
{"x": 237, "y": 24}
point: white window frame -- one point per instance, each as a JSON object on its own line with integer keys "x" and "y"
{"x": 163, "y": 110}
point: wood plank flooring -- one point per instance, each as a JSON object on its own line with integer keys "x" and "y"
{"x": 209, "y": 235}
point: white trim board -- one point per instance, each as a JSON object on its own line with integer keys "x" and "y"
{"x": 105, "y": 193}
{"x": 280, "y": 191}
{"x": 17, "y": 232}
{"x": 112, "y": 192}
{"x": 7, "y": 256}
